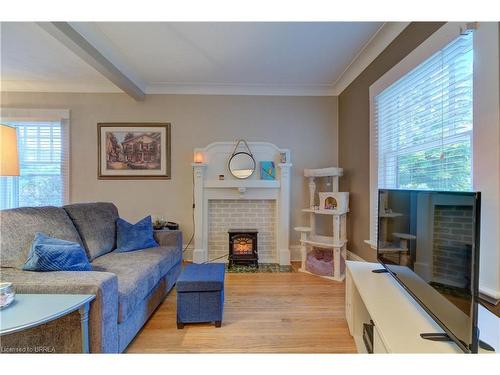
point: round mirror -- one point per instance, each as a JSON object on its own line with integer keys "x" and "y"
{"x": 241, "y": 165}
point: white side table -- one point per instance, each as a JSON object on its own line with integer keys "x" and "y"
{"x": 31, "y": 310}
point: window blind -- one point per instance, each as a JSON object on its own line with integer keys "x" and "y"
{"x": 44, "y": 166}
{"x": 422, "y": 125}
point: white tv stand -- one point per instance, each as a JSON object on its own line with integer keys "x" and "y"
{"x": 399, "y": 319}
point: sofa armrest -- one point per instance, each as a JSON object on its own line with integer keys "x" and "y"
{"x": 168, "y": 237}
{"x": 103, "y": 314}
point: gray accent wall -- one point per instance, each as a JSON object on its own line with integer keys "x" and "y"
{"x": 354, "y": 133}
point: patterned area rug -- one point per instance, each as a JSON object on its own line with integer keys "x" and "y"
{"x": 263, "y": 268}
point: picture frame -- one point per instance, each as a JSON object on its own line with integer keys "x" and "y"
{"x": 133, "y": 151}
{"x": 267, "y": 170}
{"x": 282, "y": 157}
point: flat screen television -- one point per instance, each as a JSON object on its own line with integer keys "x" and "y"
{"x": 429, "y": 242}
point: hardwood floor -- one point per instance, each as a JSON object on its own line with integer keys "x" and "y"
{"x": 263, "y": 313}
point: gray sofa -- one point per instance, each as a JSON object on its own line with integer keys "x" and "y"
{"x": 128, "y": 286}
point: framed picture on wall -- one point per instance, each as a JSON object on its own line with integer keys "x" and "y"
{"x": 130, "y": 151}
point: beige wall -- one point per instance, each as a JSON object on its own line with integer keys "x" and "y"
{"x": 354, "y": 132}
{"x": 305, "y": 125}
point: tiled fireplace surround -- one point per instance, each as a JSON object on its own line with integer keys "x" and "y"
{"x": 257, "y": 214}
{"x": 232, "y": 203}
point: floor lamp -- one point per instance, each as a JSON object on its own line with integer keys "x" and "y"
{"x": 9, "y": 159}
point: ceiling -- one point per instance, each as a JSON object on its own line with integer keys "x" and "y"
{"x": 192, "y": 57}
{"x": 33, "y": 60}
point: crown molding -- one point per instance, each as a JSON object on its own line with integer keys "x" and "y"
{"x": 168, "y": 88}
{"x": 374, "y": 47}
{"x": 239, "y": 89}
{"x": 171, "y": 88}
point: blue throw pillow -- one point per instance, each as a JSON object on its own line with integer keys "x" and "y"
{"x": 136, "y": 236}
{"x": 52, "y": 254}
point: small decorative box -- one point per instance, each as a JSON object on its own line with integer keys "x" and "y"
{"x": 336, "y": 201}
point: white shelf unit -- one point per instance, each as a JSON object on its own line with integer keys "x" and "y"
{"x": 325, "y": 242}
{"x": 324, "y": 212}
{"x": 398, "y": 318}
{"x": 309, "y": 239}
{"x": 324, "y": 172}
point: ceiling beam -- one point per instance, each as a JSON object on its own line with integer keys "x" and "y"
{"x": 73, "y": 40}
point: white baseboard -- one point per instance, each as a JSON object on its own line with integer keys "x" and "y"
{"x": 353, "y": 256}
{"x": 490, "y": 293}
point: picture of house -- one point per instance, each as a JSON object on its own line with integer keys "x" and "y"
{"x": 131, "y": 150}
{"x": 142, "y": 151}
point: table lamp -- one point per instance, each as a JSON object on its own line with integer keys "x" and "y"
{"x": 9, "y": 160}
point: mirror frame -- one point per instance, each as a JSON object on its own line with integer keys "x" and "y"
{"x": 239, "y": 153}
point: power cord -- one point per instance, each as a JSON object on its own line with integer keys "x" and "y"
{"x": 193, "y": 222}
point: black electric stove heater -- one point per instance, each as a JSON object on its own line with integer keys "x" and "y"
{"x": 243, "y": 247}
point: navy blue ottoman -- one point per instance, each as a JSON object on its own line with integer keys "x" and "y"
{"x": 200, "y": 294}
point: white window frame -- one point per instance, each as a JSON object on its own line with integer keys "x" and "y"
{"x": 485, "y": 139}
{"x": 39, "y": 115}
{"x": 445, "y": 35}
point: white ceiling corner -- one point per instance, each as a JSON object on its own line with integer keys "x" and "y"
{"x": 32, "y": 60}
{"x": 380, "y": 40}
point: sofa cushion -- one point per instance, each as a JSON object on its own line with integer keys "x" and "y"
{"x": 18, "y": 227}
{"x": 96, "y": 223}
{"x": 138, "y": 272}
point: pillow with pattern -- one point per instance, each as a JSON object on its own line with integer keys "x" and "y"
{"x": 52, "y": 254}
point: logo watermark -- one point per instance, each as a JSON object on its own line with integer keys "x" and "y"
{"x": 27, "y": 349}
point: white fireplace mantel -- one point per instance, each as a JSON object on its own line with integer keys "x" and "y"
{"x": 213, "y": 161}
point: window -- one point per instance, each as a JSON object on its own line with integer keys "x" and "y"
{"x": 424, "y": 123}
{"x": 43, "y": 150}
{"x": 421, "y": 123}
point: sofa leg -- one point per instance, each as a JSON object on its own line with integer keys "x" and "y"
{"x": 180, "y": 325}
{"x": 218, "y": 323}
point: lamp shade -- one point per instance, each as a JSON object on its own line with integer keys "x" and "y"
{"x": 9, "y": 160}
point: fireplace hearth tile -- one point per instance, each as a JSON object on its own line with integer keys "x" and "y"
{"x": 263, "y": 268}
